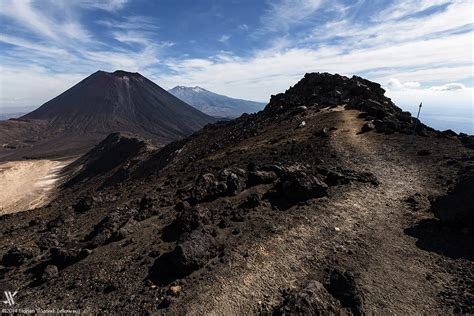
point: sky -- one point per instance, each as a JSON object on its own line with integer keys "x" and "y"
{"x": 419, "y": 50}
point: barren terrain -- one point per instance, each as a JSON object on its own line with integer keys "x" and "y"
{"x": 347, "y": 213}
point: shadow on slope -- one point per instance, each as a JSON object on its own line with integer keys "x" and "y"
{"x": 451, "y": 234}
{"x": 114, "y": 154}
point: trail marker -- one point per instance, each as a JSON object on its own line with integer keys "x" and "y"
{"x": 416, "y": 123}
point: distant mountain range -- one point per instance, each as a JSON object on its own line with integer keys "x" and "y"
{"x": 102, "y": 103}
{"x": 214, "y": 104}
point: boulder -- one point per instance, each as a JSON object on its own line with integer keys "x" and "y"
{"x": 206, "y": 185}
{"x": 49, "y": 273}
{"x": 260, "y": 177}
{"x": 300, "y": 109}
{"x": 83, "y": 204}
{"x": 343, "y": 177}
{"x": 188, "y": 256}
{"x": 127, "y": 229}
{"x": 301, "y": 186}
{"x": 233, "y": 179}
{"x": 342, "y": 286}
{"x": 373, "y": 108}
{"x": 310, "y": 299}
{"x": 193, "y": 254}
{"x": 147, "y": 201}
{"x": 423, "y": 152}
{"x": 367, "y": 127}
{"x": 63, "y": 257}
{"x": 253, "y": 200}
{"x": 181, "y": 206}
{"x": 17, "y": 256}
{"x": 190, "y": 218}
{"x": 234, "y": 185}
{"x": 207, "y": 188}
{"x": 175, "y": 290}
{"x": 106, "y": 228}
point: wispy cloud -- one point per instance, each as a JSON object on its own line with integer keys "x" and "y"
{"x": 107, "y": 5}
{"x": 25, "y": 16}
{"x": 243, "y": 27}
{"x": 450, "y": 87}
{"x": 132, "y": 22}
{"x": 223, "y": 38}
{"x": 402, "y": 8}
{"x": 44, "y": 21}
{"x": 285, "y": 13}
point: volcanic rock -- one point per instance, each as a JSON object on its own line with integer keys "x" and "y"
{"x": 310, "y": 299}
{"x": 342, "y": 286}
{"x": 16, "y": 256}
{"x": 301, "y": 186}
{"x": 49, "y": 273}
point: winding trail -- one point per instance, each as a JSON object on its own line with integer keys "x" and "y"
{"x": 391, "y": 270}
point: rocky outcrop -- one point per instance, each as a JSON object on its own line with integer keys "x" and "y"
{"x": 112, "y": 159}
{"x": 319, "y": 90}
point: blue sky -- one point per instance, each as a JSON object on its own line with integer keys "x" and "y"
{"x": 418, "y": 50}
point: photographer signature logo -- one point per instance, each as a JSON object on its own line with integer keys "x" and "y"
{"x": 10, "y": 297}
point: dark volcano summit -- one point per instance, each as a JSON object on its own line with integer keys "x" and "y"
{"x": 101, "y": 104}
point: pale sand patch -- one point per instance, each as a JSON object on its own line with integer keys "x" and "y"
{"x": 25, "y": 185}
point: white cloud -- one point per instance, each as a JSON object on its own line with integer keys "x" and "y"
{"x": 224, "y": 38}
{"x": 39, "y": 82}
{"x": 450, "y": 87}
{"x": 395, "y": 84}
{"x": 412, "y": 85}
{"x": 243, "y": 27}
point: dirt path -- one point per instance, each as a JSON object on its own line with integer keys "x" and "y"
{"x": 391, "y": 270}
{"x": 27, "y": 184}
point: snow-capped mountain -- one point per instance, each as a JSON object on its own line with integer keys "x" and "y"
{"x": 215, "y": 104}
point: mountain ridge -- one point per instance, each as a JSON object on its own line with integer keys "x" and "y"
{"x": 215, "y": 104}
